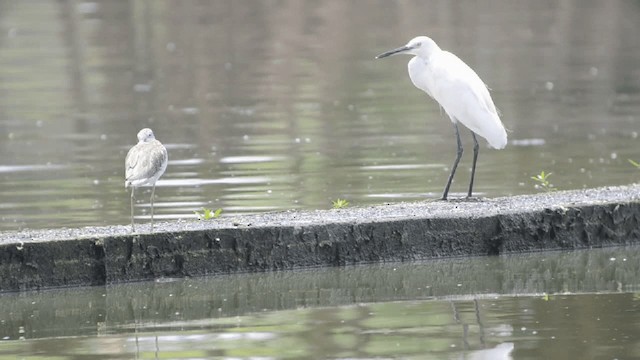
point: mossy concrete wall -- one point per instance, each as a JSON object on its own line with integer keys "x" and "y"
{"x": 295, "y": 239}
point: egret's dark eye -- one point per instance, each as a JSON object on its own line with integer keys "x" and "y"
{"x": 418, "y": 44}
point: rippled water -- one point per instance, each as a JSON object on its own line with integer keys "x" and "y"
{"x": 272, "y": 105}
{"x": 576, "y": 305}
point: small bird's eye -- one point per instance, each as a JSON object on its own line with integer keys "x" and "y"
{"x": 418, "y": 44}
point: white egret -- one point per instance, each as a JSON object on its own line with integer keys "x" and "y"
{"x": 459, "y": 91}
{"x": 144, "y": 164}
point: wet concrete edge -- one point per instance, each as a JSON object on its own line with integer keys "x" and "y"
{"x": 289, "y": 240}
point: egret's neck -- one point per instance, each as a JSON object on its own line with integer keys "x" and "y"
{"x": 423, "y": 60}
{"x": 427, "y": 54}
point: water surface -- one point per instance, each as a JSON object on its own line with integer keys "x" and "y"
{"x": 273, "y": 105}
{"x": 561, "y": 305}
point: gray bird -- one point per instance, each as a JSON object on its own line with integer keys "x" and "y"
{"x": 144, "y": 164}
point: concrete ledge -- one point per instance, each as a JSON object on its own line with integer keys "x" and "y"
{"x": 287, "y": 240}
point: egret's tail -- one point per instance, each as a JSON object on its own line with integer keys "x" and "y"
{"x": 498, "y": 139}
{"x": 493, "y": 131}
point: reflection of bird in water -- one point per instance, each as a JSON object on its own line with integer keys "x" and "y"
{"x": 144, "y": 164}
{"x": 500, "y": 352}
{"x": 460, "y": 92}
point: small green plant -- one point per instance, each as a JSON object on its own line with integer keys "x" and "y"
{"x": 634, "y": 163}
{"x": 207, "y": 214}
{"x": 340, "y": 203}
{"x": 542, "y": 181}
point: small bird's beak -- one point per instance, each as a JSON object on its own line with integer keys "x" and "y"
{"x": 394, "y": 51}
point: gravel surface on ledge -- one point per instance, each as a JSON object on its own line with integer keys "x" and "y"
{"x": 37, "y": 259}
{"x": 456, "y": 208}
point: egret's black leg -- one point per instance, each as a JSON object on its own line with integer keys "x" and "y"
{"x": 476, "y": 150}
{"x": 455, "y": 163}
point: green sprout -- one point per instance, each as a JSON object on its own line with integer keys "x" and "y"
{"x": 634, "y": 163}
{"x": 340, "y": 203}
{"x": 207, "y": 214}
{"x": 542, "y": 181}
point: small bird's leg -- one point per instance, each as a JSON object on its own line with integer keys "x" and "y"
{"x": 133, "y": 228}
{"x": 153, "y": 191}
{"x": 455, "y": 163}
{"x": 476, "y": 150}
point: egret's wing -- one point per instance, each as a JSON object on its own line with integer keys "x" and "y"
{"x": 465, "y": 98}
{"x": 420, "y": 75}
{"x": 485, "y": 98}
{"x": 457, "y": 87}
{"x": 466, "y": 80}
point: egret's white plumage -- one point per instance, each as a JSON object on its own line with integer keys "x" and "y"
{"x": 144, "y": 164}
{"x": 460, "y": 92}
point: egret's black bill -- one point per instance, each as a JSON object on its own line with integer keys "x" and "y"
{"x": 393, "y": 52}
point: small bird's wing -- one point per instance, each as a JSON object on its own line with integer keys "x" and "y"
{"x": 130, "y": 163}
{"x": 145, "y": 161}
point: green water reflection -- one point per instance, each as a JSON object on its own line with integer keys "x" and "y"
{"x": 547, "y": 305}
